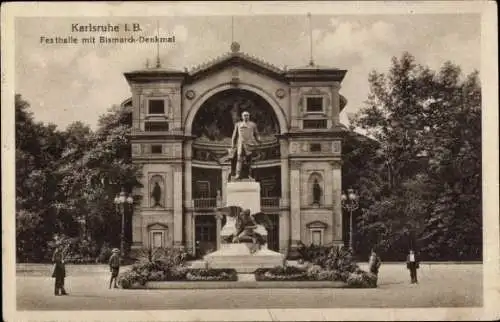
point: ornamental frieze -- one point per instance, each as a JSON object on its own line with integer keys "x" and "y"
{"x": 217, "y": 155}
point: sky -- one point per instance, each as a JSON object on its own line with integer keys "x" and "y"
{"x": 67, "y": 83}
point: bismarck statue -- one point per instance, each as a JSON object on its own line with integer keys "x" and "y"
{"x": 242, "y": 226}
{"x": 245, "y": 138}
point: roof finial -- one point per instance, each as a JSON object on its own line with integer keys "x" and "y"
{"x": 235, "y": 46}
{"x": 311, "y": 60}
{"x": 158, "y": 64}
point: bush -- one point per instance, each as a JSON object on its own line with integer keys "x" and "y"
{"x": 281, "y": 273}
{"x": 76, "y": 249}
{"x": 130, "y": 279}
{"x": 104, "y": 253}
{"x": 362, "y": 279}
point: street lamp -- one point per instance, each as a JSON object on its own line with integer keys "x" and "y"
{"x": 350, "y": 202}
{"x": 122, "y": 202}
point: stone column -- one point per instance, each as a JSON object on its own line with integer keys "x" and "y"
{"x": 218, "y": 218}
{"x": 337, "y": 205}
{"x": 295, "y": 202}
{"x": 226, "y": 169}
{"x": 136, "y": 104}
{"x": 284, "y": 229}
{"x": 188, "y": 199}
{"x": 178, "y": 201}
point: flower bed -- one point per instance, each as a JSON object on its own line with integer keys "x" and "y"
{"x": 169, "y": 265}
{"x": 200, "y": 274}
{"x": 325, "y": 264}
{"x": 280, "y": 273}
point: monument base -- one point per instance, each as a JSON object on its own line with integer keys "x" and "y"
{"x": 240, "y": 257}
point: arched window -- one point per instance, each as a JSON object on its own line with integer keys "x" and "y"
{"x": 316, "y": 190}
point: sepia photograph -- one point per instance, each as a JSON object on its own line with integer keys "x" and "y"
{"x": 250, "y": 161}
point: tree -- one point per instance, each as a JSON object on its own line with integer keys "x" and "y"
{"x": 429, "y": 130}
{"x": 95, "y": 170}
{"x": 68, "y": 179}
{"x": 38, "y": 149}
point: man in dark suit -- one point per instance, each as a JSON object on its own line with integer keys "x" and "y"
{"x": 59, "y": 272}
{"x": 412, "y": 264}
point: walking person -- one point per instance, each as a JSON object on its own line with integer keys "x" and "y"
{"x": 114, "y": 267}
{"x": 412, "y": 264}
{"x": 374, "y": 265}
{"x": 59, "y": 273}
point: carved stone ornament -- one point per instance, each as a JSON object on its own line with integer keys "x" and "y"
{"x": 280, "y": 93}
{"x": 295, "y": 165}
{"x": 190, "y": 94}
{"x": 336, "y": 164}
{"x": 336, "y": 147}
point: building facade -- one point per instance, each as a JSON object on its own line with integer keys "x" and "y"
{"x": 182, "y": 125}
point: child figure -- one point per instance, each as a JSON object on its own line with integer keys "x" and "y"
{"x": 114, "y": 266}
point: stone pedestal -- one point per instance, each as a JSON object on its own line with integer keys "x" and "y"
{"x": 240, "y": 258}
{"x": 245, "y": 194}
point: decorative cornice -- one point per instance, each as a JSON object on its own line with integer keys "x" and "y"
{"x": 236, "y": 58}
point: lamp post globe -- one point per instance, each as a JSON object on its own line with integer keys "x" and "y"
{"x": 122, "y": 202}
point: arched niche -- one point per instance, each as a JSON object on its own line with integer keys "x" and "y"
{"x": 315, "y": 190}
{"x": 156, "y": 191}
{"x": 278, "y": 111}
{"x": 215, "y": 119}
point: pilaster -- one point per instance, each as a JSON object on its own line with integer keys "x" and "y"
{"x": 285, "y": 179}
{"x": 337, "y": 205}
{"x": 295, "y": 201}
{"x": 178, "y": 201}
{"x": 284, "y": 231}
{"x": 335, "y": 103}
{"x": 218, "y": 219}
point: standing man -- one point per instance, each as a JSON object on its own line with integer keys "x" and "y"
{"x": 114, "y": 266}
{"x": 244, "y": 135}
{"x": 412, "y": 264}
{"x": 59, "y": 273}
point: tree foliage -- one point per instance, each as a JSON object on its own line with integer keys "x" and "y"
{"x": 66, "y": 180}
{"x": 428, "y": 128}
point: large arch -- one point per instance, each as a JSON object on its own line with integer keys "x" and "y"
{"x": 280, "y": 115}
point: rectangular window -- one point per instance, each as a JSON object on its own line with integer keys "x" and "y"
{"x": 156, "y": 107}
{"x": 157, "y": 239}
{"x": 156, "y": 149}
{"x": 314, "y": 104}
{"x": 314, "y": 124}
{"x": 315, "y": 147}
{"x": 316, "y": 237}
{"x": 267, "y": 187}
{"x": 203, "y": 188}
{"x": 156, "y": 126}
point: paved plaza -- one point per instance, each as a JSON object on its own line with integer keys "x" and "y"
{"x": 441, "y": 285}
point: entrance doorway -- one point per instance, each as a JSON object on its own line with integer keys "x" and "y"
{"x": 205, "y": 235}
